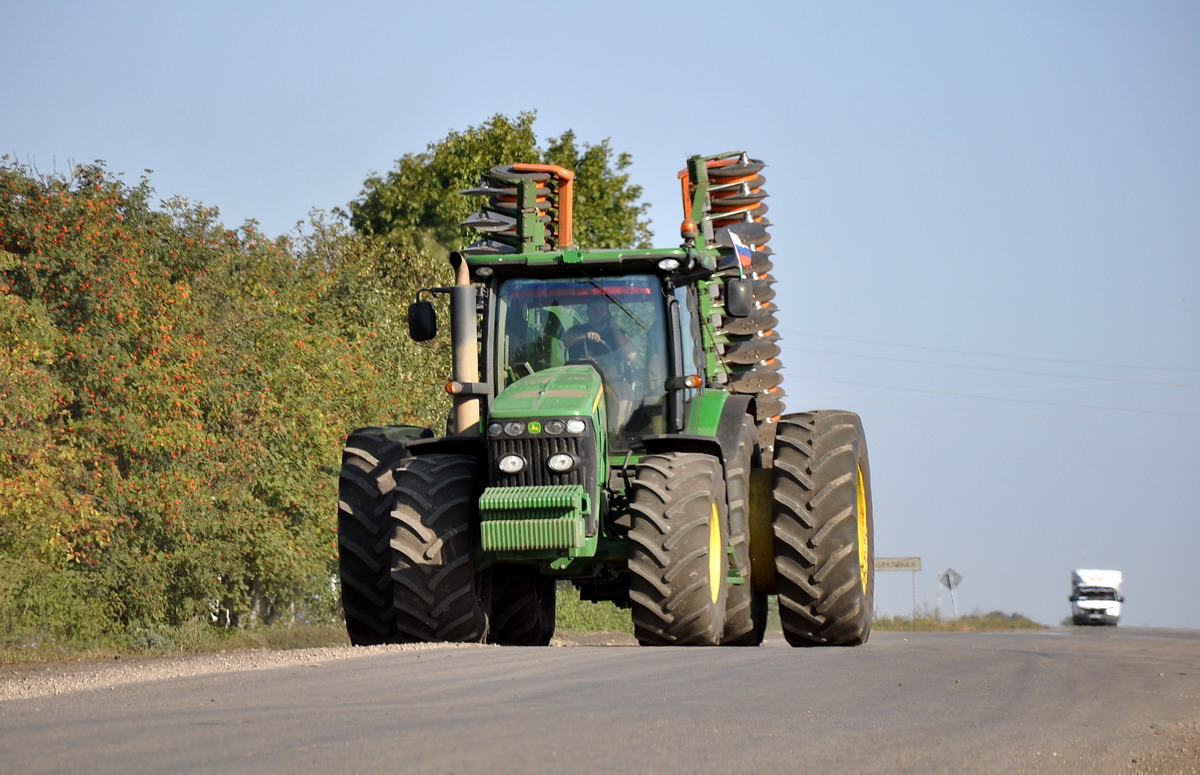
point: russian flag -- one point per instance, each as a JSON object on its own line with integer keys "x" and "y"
{"x": 741, "y": 248}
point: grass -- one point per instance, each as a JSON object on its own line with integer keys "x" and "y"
{"x": 199, "y": 637}
{"x": 190, "y": 638}
{"x": 575, "y": 615}
{"x": 932, "y": 621}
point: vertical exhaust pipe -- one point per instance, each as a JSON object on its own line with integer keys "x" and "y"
{"x": 465, "y": 343}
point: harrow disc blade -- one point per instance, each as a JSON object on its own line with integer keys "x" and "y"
{"x": 759, "y": 263}
{"x": 737, "y": 199}
{"x": 756, "y": 379}
{"x": 748, "y": 233}
{"x": 716, "y": 185}
{"x": 487, "y": 247}
{"x": 509, "y": 191}
{"x": 509, "y": 207}
{"x": 486, "y": 220}
{"x": 764, "y": 290}
{"x": 759, "y": 320}
{"x": 505, "y": 172}
{"x": 751, "y": 351}
{"x": 768, "y": 405}
{"x": 748, "y": 167}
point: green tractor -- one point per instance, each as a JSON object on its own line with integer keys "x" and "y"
{"x": 617, "y": 424}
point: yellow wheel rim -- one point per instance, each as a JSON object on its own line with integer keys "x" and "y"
{"x": 715, "y": 554}
{"x": 864, "y": 544}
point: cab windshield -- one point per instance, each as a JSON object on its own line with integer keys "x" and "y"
{"x": 615, "y": 324}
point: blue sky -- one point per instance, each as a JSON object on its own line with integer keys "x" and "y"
{"x": 986, "y": 215}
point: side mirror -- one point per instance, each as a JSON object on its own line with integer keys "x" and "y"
{"x": 739, "y": 297}
{"x": 422, "y": 321}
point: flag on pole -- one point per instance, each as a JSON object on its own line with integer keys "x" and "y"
{"x": 742, "y": 250}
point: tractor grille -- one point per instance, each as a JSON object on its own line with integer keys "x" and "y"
{"x": 536, "y": 451}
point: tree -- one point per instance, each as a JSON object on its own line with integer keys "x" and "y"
{"x": 418, "y": 202}
{"x": 173, "y": 400}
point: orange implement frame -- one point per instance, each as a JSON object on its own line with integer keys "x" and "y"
{"x": 566, "y": 193}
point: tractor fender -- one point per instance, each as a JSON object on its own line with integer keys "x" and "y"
{"x": 713, "y": 427}
{"x": 473, "y": 446}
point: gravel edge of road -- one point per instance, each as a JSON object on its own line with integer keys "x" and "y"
{"x": 28, "y": 680}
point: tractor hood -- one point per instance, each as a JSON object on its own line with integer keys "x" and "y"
{"x": 561, "y": 391}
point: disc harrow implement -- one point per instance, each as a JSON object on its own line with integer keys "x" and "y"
{"x": 734, "y": 213}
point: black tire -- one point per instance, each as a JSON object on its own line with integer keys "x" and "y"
{"x": 824, "y": 532}
{"x": 364, "y": 529}
{"x": 523, "y": 607}
{"x": 745, "y": 610}
{"x": 436, "y": 589}
{"x": 677, "y": 561}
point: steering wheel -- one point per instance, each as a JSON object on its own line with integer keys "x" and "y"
{"x": 585, "y": 347}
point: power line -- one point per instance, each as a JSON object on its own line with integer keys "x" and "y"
{"x": 996, "y": 369}
{"x": 984, "y": 397}
{"x": 990, "y": 355}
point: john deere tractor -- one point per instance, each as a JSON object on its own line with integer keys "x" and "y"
{"x": 617, "y": 424}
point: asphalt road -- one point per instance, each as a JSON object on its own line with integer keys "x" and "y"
{"x": 1064, "y": 700}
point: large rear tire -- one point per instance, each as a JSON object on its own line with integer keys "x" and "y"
{"x": 745, "y": 610}
{"x": 824, "y": 532}
{"x": 523, "y": 607}
{"x": 364, "y": 529}
{"x": 677, "y": 562}
{"x": 436, "y": 589}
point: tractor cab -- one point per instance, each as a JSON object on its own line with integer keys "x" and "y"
{"x": 616, "y": 325}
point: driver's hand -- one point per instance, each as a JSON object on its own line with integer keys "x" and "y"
{"x": 594, "y": 336}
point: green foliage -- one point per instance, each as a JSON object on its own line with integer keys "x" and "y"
{"x": 575, "y": 615}
{"x": 173, "y": 400}
{"x": 417, "y": 204}
{"x": 932, "y": 621}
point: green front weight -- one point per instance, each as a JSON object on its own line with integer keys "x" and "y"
{"x": 533, "y": 518}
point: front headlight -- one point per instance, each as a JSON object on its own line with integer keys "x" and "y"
{"x": 511, "y": 464}
{"x": 560, "y": 463}
{"x": 576, "y": 426}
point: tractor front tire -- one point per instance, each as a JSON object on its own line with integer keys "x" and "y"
{"x": 436, "y": 588}
{"x": 364, "y": 529}
{"x": 677, "y": 562}
{"x": 824, "y": 533}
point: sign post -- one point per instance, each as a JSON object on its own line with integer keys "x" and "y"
{"x": 902, "y": 563}
{"x": 950, "y": 578}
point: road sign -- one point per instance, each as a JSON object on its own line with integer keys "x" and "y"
{"x": 950, "y": 578}
{"x": 897, "y": 563}
{"x": 902, "y": 563}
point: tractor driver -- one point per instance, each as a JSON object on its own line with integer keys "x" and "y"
{"x": 599, "y": 335}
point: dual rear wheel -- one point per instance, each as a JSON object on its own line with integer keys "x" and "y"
{"x": 823, "y": 527}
